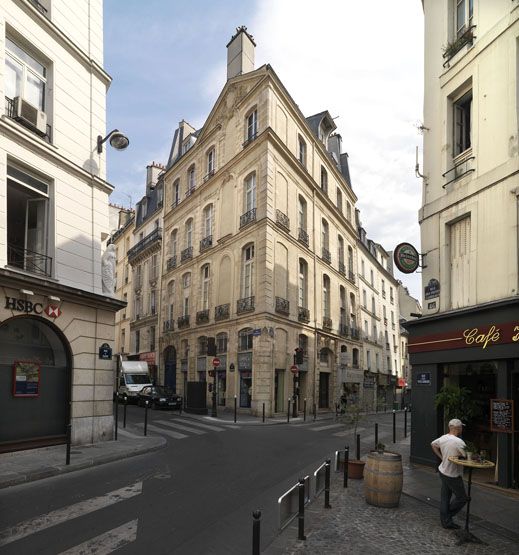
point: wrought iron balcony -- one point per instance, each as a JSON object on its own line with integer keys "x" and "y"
{"x": 464, "y": 36}
{"x": 326, "y": 255}
{"x": 282, "y": 220}
{"x": 186, "y": 254}
{"x": 208, "y": 175}
{"x": 206, "y": 242}
{"x": 282, "y": 306}
{"x": 150, "y": 240}
{"x": 250, "y": 138}
{"x": 303, "y": 314}
{"x": 302, "y": 236}
{"x": 461, "y": 168}
{"x": 183, "y": 321}
{"x": 342, "y": 268}
{"x": 248, "y": 217}
{"x": 202, "y": 316}
{"x": 190, "y": 191}
{"x": 168, "y": 325}
{"x": 351, "y": 276}
{"x": 10, "y": 112}
{"x": 355, "y": 333}
{"x": 344, "y": 330}
{"x": 222, "y": 312}
{"x": 172, "y": 262}
{"x": 327, "y": 323}
{"x": 30, "y": 261}
{"x": 245, "y": 305}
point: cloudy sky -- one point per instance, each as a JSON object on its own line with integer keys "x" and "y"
{"x": 362, "y": 61}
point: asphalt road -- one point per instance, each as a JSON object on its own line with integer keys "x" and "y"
{"x": 196, "y": 496}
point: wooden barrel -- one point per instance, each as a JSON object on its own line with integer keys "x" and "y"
{"x": 383, "y": 477}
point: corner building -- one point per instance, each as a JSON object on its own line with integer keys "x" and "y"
{"x": 259, "y": 247}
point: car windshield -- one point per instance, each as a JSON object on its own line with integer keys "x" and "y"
{"x": 137, "y": 378}
{"x": 162, "y": 391}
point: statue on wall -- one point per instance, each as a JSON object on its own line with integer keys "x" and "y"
{"x": 108, "y": 270}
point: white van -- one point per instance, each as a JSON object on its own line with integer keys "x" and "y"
{"x": 134, "y": 375}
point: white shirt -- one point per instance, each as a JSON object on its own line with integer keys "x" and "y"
{"x": 450, "y": 446}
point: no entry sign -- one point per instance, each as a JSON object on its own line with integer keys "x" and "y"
{"x": 216, "y": 362}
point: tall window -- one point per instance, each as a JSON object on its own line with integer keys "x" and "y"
{"x": 250, "y": 192}
{"x": 324, "y": 180}
{"x": 362, "y": 268}
{"x": 301, "y": 212}
{"x": 373, "y": 304}
{"x": 460, "y": 263}
{"x": 154, "y": 268}
{"x": 176, "y": 192}
{"x": 189, "y": 233}
{"x": 245, "y": 339}
{"x": 24, "y": 75}
{"x": 202, "y": 345}
{"x": 303, "y": 343}
{"x": 462, "y": 123}
{"x": 364, "y": 299}
{"x": 341, "y": 250}
{"x": 252, "y": 125}
{"x": 153, "y": 301}
{"x": 208, "y": 220}
{"x": 350, "y": 260}
{"x": 326, "y": 296}
{"x": 464, "y": 15}
{"x": 339, "y": 200}
{"x": 191, "y": 179}
{"x": 342, "y": 295}
{"x": 247, "y": 271}
{"x": 301, "y": 155}
{"x": 174, "y": 242}
{"x": 303, "y": 283}
{"x": 211, "y": 162}
{"x": 348, "y": 211}
{"x": 185, "y": 306}
{"x": 368, "y": 359}
{"x": 205, "y": 287}
{"x": 221, "y": 343}
{"x": 325, "y": 234}
{"x": 137, "y": 341}
{"x": 152, "y": 338}
{"x": 372, "y": 278}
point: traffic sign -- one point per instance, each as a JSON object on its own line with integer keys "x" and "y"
{"x": 216, "y": 362}
{"x": 294, "y": 369}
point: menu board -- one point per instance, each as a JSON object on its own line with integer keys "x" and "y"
{"x": 502, "y": 415}
{"x": 26, "y": 379}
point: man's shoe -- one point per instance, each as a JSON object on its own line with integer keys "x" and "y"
{"x": 452, "y": 526}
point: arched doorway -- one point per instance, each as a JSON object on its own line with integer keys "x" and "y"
{"x": 170, "y": 368}
{"x": 35, "y": 380}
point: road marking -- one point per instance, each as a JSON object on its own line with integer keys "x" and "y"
{"x": 170, "y": 433}
{"x": 205, "y": 426}
{"x": 107, "y": 542}
{"x": 180, "y": 427}
{"x": 329, "y": 427}
{"x": 126, "y": 433}
{"x": 28, "y": 527}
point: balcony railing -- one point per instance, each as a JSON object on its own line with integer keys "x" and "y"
{"x": 186, "y": 254}
{"x": 172, "y": 262}
{"x": 190, "y": 191}
{"x": 342, "y": 268}
{"x": 250, "y": 138}
{"x": 327, "y": 323}
{"x": 206, "y": 242}
{"x": 302, "y": 236}
{"x": 208, "y": 175}
{"x": 183, "y": 321}
{"x": 222, "y": 312}
{"x": 461, "y": 168}
{"x": 169, "y": 325}
{"x": 143, "y": 244}
{"x": 351, "y": 276}
{"x": 282, "y": 220}
{"x": 245, "y": 305}
{"x": 303, "y": 314}
{"x": 202, "y": 317}
{"x": 355, "y": 333}
{"x": 465, "y": 36}
{"x": 282, "y": 306}
{"x": 30, "y": 261}
{"x": 10, "y": 112}
{"x": 248, "y": 217}
{"x": 326, "y": 255}
{"x": 344, "y": 330}
{"x": 42, "y": 9}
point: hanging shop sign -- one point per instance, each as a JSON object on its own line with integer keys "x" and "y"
{"x": 26, "y": 378}
{"x": 105, "y": 352}
{"x": 432, "y": 289}
{"x": 502, "y": 415}
{"x": 406, "y": 258}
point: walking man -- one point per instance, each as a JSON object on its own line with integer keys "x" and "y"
{"x": 451, "y": 475}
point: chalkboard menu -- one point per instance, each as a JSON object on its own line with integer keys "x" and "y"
{"x": 502, "y": 415}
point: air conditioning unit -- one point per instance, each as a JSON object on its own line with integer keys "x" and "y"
{"x": 30, "y": 115}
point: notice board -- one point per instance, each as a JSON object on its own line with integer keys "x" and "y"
{"x": 502, "y": 415}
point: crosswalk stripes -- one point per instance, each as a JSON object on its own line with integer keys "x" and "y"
{"x": 180, "y": 427}
{"x": 42, "y": 522}
{"x": 169, "y": 433}
{"x": 193, "y": 422}
{"x": 107, "y": 542}
{"x": 328, "y": 427}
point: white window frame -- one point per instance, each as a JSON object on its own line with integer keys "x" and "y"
{"x": 189, "y": 233}
{"x": 252, "y": 125}
{"x": 302, "y": 283}
{"x": 208, "y": 220}
{"x": 248, "y": 272}
{"x": 205, "y": 286}
{"x": 211, "y": 161}
{"x": 249, "y": 190}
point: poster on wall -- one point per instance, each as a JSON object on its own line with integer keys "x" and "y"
{"x": 26, "y": 378}
{"x": 502, "y": 415}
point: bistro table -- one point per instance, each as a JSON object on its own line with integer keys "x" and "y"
{"x": 465, "y": 536}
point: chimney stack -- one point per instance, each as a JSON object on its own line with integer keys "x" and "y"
{"x": 240, "y": 53}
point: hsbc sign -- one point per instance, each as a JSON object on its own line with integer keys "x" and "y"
{"x": 23, "y": 305}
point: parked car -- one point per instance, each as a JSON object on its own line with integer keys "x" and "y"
{"x": 159, "y": 397}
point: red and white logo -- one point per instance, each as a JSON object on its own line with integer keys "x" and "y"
{"x": 52, "y": 311}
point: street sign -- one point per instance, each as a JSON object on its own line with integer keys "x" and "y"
{"x": 294, "y": 369}
{"x": 216, "y": 362}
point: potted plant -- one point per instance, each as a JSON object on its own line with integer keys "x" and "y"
{"x": 352, "y": 417}
{"x": 380, "y": 447}
{"x": 456, "y": 402}
{"x": 470, "y": 450}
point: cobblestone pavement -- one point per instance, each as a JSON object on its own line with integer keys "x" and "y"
{"x": 354, "y": 527}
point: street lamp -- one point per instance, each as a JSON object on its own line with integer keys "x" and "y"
{"x": 118, "y": 140}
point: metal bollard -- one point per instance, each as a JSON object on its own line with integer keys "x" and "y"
{"x": 358, "y": 447}
{"x": 394, "y": 426}
{"x": 146, "y": 418}
{"x": 288, "y": 411}
{"x": 124, "y": 411}
{"x": 301, "y": 514}
{"x": 327, "y": 484}
{"x": 256, "y": 523}
{"x": 346, "y": 460}
{"x": 116, "y": 415}
{"x": 304, "y": 411}
{"x": 405, "y": 422}
{"x": 235, "y": 408}
{"x": 69, "y": 441}
{"x": 376, "y": 434}
{"x": 376, "y": 407}
{"x": 263, "y": 412}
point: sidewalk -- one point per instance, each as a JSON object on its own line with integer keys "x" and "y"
{"x": 34, "y": 464}
{"x": 226, "y": 416}
{"x": 352, "y": 526}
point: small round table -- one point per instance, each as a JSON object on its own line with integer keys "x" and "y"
{"x": 465, "y": 536}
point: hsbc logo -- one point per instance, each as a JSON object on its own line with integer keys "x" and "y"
{"x": 22, "y": 305}
{"x": 52, "y": 311}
